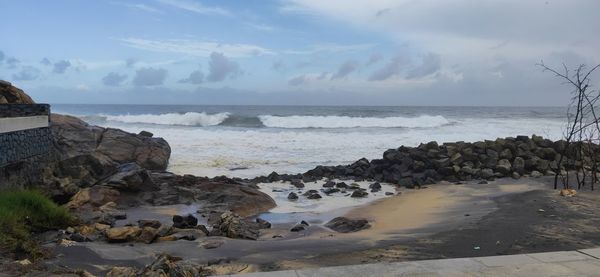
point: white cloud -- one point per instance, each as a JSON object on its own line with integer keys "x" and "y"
{"x": 196, "y": 47}
{"x": 138, "y": 6}
{"x": 195, "y": 7}
{"x": 330, "y": 47}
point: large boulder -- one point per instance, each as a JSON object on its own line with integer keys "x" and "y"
{"x": 10, "y": 94}
{"x": 221, "y": 193}
{"x": 73, "y": 137}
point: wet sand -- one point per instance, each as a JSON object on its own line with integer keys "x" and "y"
{"x": 443, "y": 220}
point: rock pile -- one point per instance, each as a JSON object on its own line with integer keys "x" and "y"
{"x": 458, "y": 161}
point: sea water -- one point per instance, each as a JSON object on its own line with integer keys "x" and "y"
{"x": 247, "y": 141}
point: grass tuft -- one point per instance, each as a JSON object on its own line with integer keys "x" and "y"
{"x": 24, "y": 213}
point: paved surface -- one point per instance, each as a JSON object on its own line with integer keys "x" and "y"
{"x": 584, "y": 262}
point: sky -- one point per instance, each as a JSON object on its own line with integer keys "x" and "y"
{"x": 297, "y": 52}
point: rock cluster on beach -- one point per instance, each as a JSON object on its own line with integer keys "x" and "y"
{"x": 458, "y": 161}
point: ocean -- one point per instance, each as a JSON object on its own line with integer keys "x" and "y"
{"x": 248, "y": 141}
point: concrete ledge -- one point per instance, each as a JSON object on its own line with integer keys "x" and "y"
{"x": 13, "y": 124}
{"x": 561, "y": 263}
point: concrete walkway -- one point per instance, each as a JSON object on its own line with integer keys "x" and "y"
{"x": 564, "y": 263}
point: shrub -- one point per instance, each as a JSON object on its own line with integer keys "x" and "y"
{"x": 24, "y": 213}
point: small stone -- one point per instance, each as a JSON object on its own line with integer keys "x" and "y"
{"x": 297, "y": 183}
{"x": 298, "y": 228}
{"x": 329, "y": 184}
{"x": 359, "y": 194}
{"x": 292, "y": 196}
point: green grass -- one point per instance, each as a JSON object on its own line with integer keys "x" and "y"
{"x": 23, "y": 213}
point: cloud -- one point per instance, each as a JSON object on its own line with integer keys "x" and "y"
{"x": 298, "y": 80}
{"x": 138, "y": 6}
{"x": 373, "y": 59}
{"x": 330, "y": 48}
{"x": 12, "y": 62}
{"x": 196, "y": 77}
{"x": 195, "y": 7}
{"x": 130, "y": 62}
{"x": 196, "y": 47}
{"x": 220, "y": 68}
{"x": 61, "y": 66}
{"x": 149, "y": 76}
{"x": 278, "y": 66}
{"x": 345, "y": 69}
{"x": 430, "y": 64}
{"x": 1, "y": 56}
{"x": 46, "y": 62}
{"x": 27, "y": 73}
{"x": 114, "y": 79}
{"x": 261, "y": 27}
{"x": 392, "y": 68}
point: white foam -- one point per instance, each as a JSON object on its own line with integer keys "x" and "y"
{"x": 185, "y": 119}
{"x": 297, "y": 121}
{"x": 214, "y": 151}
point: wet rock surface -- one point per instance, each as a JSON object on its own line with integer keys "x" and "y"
{"x": 346, "y": 225}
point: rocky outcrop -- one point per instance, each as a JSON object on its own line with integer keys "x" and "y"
{"x": 10, "y": 94}
{"x": 73, "y": 137}
{"x": 220, "y": 193}
{"x": 84, "y": 155}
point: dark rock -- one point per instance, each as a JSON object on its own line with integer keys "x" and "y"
{"x": 298, "y": 228}
{"x": 312, "y": 194}
{"x": 389, "y": 193}
{"x": 359, "y": 194}
{"x": 375, "y": 187}
{"x": 297, "y": 183}
{"x": 304, "y": 223}
{"x": 263, "y": 223}
{"x": 331, "y": 190}
{"x": 131, "y": 177}
{"x": 149, "y": 223}
{"x": 345, "y": 225}
{"x": 146, "y": 134}
{"x": 292, "y": 196}
{"x": 518, "y": 165}
{"x": 504, "y": 167}
{"x": 341, "y": 185}
{"x": 329, "y": 184}
{"x": 184, "y": 222}
{"x": 233, "y": 226}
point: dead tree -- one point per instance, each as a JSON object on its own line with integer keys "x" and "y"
{"x": 582, "y": 133}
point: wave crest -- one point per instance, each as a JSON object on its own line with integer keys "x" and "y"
{"x": 185, "y": 119}
{"x": 296, "y": 121}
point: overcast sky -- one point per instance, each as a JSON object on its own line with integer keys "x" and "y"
{"x": 334, "y": 52}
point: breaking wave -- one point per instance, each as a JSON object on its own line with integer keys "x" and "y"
{"x": 272, "y": 121}
{"x": 424, "y": 121}
{"x": 185, "y": 119}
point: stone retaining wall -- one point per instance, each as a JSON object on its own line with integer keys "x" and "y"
{"x": 25, "y": 142}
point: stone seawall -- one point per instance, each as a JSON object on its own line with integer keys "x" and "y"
{"x": 453, "y": 161}
{"x": 25, "y": 142}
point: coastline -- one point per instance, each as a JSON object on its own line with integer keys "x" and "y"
{"x": 452, "y": 199}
